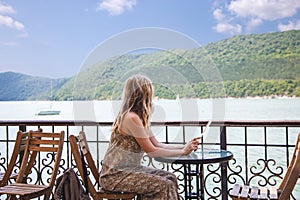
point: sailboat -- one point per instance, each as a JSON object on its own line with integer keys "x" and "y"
{"x": 49, "y": 111}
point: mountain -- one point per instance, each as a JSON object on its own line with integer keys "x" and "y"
{"x": 266, "y": 56}
{"x": 20, "y": 87}
{"x": 248, "y": 65}
{"x": 244, "y": 65}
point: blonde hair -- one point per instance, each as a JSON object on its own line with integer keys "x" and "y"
{"x": 137, "y": 97}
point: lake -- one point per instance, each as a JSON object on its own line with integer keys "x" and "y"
{"x": 164, "y": 110}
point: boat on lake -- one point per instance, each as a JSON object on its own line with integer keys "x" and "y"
{"x": 49, "y": 112}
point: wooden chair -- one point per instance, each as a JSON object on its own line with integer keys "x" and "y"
{"x": 285, "y": 188}
{"x": 38, "y": 142}
{"x": 18, "y": 152}
{"x": 79, "y": 144}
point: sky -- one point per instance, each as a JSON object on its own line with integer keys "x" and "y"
{"x": 53, "y": 38}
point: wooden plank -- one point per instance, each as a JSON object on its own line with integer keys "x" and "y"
{"x": 273, "y": 193}
{"x": 21, "y": 189}
{"x": 264, "y": 193}
{"x": 43, "y": 135}
{"x": 245, "y": 191}
{"x": 254, "y": 192}
{"x": 43, "y": 149}
{"x": 43, "y": 141}
{"x": 235, "y": 190}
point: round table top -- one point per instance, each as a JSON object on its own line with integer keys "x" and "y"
{"x": 200, "y": 156}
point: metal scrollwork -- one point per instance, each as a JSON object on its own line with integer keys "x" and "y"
{"x": 148, "y": 161}
{"x": 213, "y": 176}
{"x": 34, "y": 173}
{"x": 178, "y": 171}
{"x": 265, "y": 172}
{"x": 62, "y": 167}
{"x": 47, "y": 162}
{"x": 236, "y": 171}
{"x": 2, "y": 163}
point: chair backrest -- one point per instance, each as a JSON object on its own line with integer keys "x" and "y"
{"x": 18, "y": 152}
{"x": 42, "y": 142}
{"x": 78, "y": 145}
{"x": 292, "y": 174}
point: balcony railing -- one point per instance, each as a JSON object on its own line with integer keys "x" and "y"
{"x": 262, "y": 149}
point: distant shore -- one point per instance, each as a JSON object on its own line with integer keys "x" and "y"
{"x": 266, "y": 97}
{"x": 156, "y": 98}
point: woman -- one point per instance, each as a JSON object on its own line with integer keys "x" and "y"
{"x": 131, "y": 137}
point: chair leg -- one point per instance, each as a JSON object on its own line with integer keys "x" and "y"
{"x": 139, "y": 197}
{"x": 47, "y": 195}
{"x": 11, "y": 197}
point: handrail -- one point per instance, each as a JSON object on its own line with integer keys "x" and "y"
{"x": 229, "y": 123}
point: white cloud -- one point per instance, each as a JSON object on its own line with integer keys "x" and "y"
{"x": 290, "y": 26}
{"x": 116, "y": 7}
{"x": 254, "y": 22}
{"x": 225, "y": 24}
{"x": 224, "y": 27}
{"x": 6, "y": 9}
{"x": 264, "y": 9}
{"x": 252, "y": 13}
{"x": 10, "y": 22}
{"x": 218, "y": 14}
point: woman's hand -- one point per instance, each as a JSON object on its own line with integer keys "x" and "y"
{"x": 191, "y": 146}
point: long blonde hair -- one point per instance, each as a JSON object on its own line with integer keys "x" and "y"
{"x": 137, "y": 97}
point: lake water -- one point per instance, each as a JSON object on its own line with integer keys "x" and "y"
{"x": 164, "y": 110}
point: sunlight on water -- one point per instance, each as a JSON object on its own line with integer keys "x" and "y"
{"x": 164, "y": 110}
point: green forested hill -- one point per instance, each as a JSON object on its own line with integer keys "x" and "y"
{"x": 245, "y": 65}
{"x": 249, "y": 65}
{"x": 266, "y": 56}
{"x": 20, "y": 87}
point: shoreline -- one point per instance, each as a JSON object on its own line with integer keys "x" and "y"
{"x": 158, "y": 99}
{"x": 265, "y": 97}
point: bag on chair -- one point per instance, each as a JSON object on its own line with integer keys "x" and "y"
{"x": 68, "y": 187}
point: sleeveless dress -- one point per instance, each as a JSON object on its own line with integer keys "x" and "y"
{"x": 122, "y": 171}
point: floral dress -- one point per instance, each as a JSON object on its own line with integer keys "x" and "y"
{"x": 122, "y": 171}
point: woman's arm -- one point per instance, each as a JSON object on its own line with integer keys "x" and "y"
{"x": 133, "y": 125}
{"x": 156, "y": 143}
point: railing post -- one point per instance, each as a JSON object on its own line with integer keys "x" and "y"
{"x": 223, "y": 143}
{"x": 22, "y": 128}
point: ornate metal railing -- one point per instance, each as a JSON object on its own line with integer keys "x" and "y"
{"x": 261, "y": 149}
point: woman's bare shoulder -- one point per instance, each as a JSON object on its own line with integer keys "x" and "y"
{"x": 133, "y": 117}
